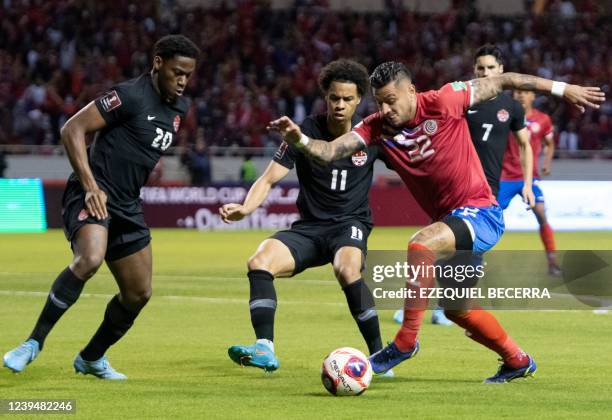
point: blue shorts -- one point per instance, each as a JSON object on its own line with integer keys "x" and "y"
{"x": 486, "y": 225}
{"x": 508, "y": 189}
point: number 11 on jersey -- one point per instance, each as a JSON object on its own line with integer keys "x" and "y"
{"x": 334, "y": 181}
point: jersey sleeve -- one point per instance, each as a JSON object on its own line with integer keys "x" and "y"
{"x": 547, "y": 126}
{"x": 455, "y": 98}
{"x": 118, "y": 104}
{"x": 285, "y": 155}
{"x": 518, "y": 117}
{"x": 369, "y": 130}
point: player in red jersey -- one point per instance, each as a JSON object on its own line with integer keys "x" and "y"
{"x": 541, "y": 132}
{"x": 426, "y": 140}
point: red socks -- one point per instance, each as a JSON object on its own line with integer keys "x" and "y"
{"x": 418, "y": 256}
{"x": 482, "y": 327}
{"x": 548, "y": 238}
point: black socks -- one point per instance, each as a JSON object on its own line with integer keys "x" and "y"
{"x": 64, "y": 293}
{"x": 361, "y": 305}
{"x": 262, "y": 303}
{"x": 117, "y": 321}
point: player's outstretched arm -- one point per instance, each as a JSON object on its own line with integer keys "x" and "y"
{"x": 580, "y": 96}
{"x": 260, "y": 189}
{"x": 526, "y": 156}
{"x": 87, "y": 120}
{"x": 324, "y": 151}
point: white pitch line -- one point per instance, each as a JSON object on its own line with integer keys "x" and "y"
{"x": 206, "y": 299}
{"x": 192, "y": 277}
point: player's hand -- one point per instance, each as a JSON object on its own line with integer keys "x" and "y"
{"x": 581, "y": 96}
{"x": 95, "y": 203}
{"x": 528, "y": 196}
{"x": 288, "y": 129}
{"x": 232, "y": 212}
{"x": 545, "y": 169}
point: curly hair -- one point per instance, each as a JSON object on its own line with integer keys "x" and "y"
{"x": 388, "y": 72}
{"x": 490, "y": 49}
{"x": 344, "y": 71}
{"x": 173, "y": 45}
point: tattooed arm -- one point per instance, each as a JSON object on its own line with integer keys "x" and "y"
{"x": 321, "y": 150}
{"x": 489, "y": 87}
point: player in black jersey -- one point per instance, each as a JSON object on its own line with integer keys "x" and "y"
{"x": 491, "y": 123}
{"x": 335, "y": 218}
{"x": 134, "y": 123}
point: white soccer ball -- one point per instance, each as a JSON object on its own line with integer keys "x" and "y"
{"x": 346, "y": 371}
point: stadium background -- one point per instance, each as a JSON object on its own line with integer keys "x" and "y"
{"x": 261, "y": 60}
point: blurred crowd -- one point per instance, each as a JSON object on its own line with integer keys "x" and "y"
{"x": 258, "y": 63}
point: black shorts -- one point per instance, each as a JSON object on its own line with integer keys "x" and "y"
{"x": 127, "y": 231}
{"x": 315, "y": 243}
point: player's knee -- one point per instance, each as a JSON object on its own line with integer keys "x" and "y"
{"x": 85, "y": 266}
{"x": 347, "y": 273}
{"x": 455, "y": 315}
{"x": 418, "y": 241}
{"x": 259, "y": 262}
{"x": 137, "y": 299}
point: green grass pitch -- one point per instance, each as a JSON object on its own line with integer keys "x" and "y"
{"x": 176, "y": 353}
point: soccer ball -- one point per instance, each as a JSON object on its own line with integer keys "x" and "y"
{"x": 346, "y": 371}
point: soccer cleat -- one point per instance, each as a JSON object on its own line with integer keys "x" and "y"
{"x": 398, "y": 316}
{"x": 258, "y": 355}
{"x": 438, "y": 318}
{"x": 386, "y": 375}
{"x": 554, "y": 270}
{"x": 390, "y": 357}
{"x": 18, "y": 358}
{"x": 99, "y": 368}
{"x": 507, "y": 374}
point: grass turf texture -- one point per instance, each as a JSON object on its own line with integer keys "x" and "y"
{"x": 176, "y": 354}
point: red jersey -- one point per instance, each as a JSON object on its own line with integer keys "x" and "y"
{"x": 539, "y": 125}
{"x": 434, "y": 154}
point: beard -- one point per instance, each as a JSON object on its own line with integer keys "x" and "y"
{"x": 390, "y": 130}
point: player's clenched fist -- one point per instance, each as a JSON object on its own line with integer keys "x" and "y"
{"x": 288, "y": 129}
{"x": 232, "y": 212}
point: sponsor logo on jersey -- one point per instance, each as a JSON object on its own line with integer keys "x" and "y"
{"x": 176, "y": 123}
{"x": 83, "y": 214}
{"x": 430, "y": 127}
{"x": 503, "y": 115}
{"x": 110, "y": 101}
{"x": 359, "y": 158}
{"x": 534, "y": 127}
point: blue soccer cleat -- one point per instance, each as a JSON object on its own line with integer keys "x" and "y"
{"x": 398, "y": 316}
{"x": 390, "y": 357}
{"x": 507, "y": 374}
{"x": 99, "y": 368}
{"x": 438, "y": 318}
{"x": 18, "y": 358}
{"x": 258, "y": 355}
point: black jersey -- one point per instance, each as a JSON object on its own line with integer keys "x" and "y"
{"x": 335, "y": 192}
{"x": 140, "y": 126}
{"x": 490, "y": 124}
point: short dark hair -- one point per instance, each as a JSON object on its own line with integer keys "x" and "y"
{"x": 170, "y": 46}
{"x": 387, "y": 72}
{"x": 344, "y": 71}
{"x": 489, "y": 49}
